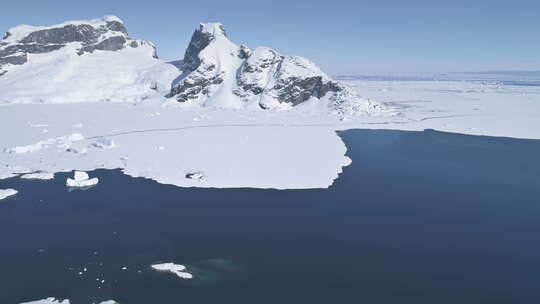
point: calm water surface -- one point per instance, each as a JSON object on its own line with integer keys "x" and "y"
{"x": 419, "y": 217}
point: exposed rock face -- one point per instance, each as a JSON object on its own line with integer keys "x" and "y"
{"x": 216, "y": 71}
{"x": 202, "y": 72}
{"x": 80, "y": 61}
{"x": 199, "y": 41}
{"x": 106, "y": 34}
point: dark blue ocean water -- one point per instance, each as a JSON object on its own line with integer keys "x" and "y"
{"x": 419, "y": 217}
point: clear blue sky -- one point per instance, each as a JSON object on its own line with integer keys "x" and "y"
{"x": 343, "y": 37}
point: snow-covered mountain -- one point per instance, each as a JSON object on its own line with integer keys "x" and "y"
{"x": 219, "y": 73}
{"x": 96, "y": 60}
{"x": 80, "y": 61}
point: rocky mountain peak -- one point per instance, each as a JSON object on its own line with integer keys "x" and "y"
{"x": 201, "y": 38}
{"x": 213, "y": 29}
{"x": 219, "y": 73}
{"x": 106, "y": 34}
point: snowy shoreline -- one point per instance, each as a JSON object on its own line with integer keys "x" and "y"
{"x": 206, "y": 147}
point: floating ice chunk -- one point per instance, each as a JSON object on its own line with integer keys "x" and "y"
{"x": 109, "y": 302}
{"x": 83, "y": 183}
{"x": 38, "y": 175}
{"x": 5, "y": 193}
{"x": 81, "y": 180}
{"x": 174, "y": 268}
{"x": 48, "y": 301}
{"x": 80, "y": 175}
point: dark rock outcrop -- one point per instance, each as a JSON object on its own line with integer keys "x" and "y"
{"x": 263, "y": 76}
{"x": 106, "y": 34}
{"x": 199, "y": 41}
{"x": 199, "y": 73}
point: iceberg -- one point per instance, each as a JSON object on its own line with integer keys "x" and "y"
{"x": 81, "y": 180}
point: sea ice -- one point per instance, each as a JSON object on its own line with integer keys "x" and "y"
{"x": 48, "y": 301}
{"x": 5, "y": 193}
{"x": 81, "y": 179}
{"x": 295, "y": 149}
{"x": 62, "y": 141}
{"x": 38, "y": 175}
{"x": 173, "y": 268}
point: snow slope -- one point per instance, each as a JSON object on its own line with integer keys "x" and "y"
{"x": 128, "y": 75}
{"x": 98, "y": 64}
{"x": 220, "y": 74}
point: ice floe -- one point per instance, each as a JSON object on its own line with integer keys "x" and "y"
{"x": 56, "y": 301}
{"x": 48, "y": 301}
{"x": 38, "y": 175}
{"x": 5, "y": 193}
{"x": 81, "y": 179}
{"x": 177, "y": 269}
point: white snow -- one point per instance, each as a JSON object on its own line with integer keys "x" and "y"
{"x": 48, "y": 301}
{"x": 215, "y": 29}
{"x": 294, "y": 149}
{"x": 173, "y": 268}
{"x": 62, "y": 76}
{"x": 267, "y": 70}
{"x": 81, "y": 179}
{"x": 38, "y": 175}
{"x": 19, "y": 32}
{"x": 62, "y": 141}
{"x": 5, "y": 193}
{"x": 115, "y": 98}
